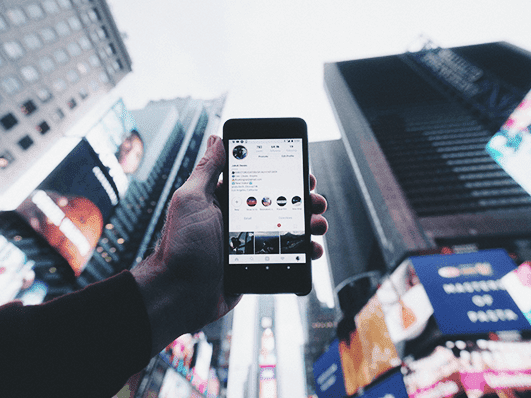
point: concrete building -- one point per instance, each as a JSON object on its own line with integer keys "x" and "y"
{"x": 58, "y": 58}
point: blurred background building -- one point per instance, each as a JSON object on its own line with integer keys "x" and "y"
{"x": 58, "y": 60}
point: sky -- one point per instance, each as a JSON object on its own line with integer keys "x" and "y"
{"x": 269, "y": 56}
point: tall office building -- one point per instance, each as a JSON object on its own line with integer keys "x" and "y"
{"x": 57, "y": 59}
{"x": 414, "y": 129}
{"x": 130, "y": 214}
{"x": 173, "y": 133}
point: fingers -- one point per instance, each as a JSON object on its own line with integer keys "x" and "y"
{"x": 319, "y": 203}
{"x": 313, "y": 182}
{"x": 318, "y": 224}
{"x": 206, "y": 174}
{"x": 317, "y": 250}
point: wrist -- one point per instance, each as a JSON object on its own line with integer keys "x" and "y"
{"x": 160, "y": 294}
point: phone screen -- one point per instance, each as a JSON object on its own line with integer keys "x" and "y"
{"x": 266, "y": 201}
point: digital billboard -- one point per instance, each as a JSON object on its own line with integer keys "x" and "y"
{"x": 511, "y": 146}
{"x": 71, "y": 205}
{"x": 452, "y": 325}
{"x": 119, "y": 145}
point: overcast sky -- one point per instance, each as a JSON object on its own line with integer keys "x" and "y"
{"x": 269, "y": 55}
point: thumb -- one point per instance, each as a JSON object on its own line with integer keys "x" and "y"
{"x": 206, "y": 174}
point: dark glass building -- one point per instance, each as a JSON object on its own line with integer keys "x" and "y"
{"x": 411, "y": 174}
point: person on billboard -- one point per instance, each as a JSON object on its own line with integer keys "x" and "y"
{"x": 88, "y": 343}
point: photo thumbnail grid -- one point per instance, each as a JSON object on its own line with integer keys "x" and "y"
{"x": 266, "y": 242}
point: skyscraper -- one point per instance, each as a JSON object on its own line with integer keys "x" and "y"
{"x": 58, "y": 58}
{"x": 414, "y": 129}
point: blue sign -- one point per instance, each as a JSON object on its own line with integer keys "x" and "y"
{"x": 466, "y": 292}
{"x": 328, "y": 374}
{"x": 391, "y": 387}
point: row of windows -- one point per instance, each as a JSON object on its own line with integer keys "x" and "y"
{"x": 14, "y": 50}
{"x": 19, "y": 16}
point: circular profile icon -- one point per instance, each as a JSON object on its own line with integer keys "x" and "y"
{"x": 266, "y": 201}
{"x": 281, "y": 201}
{"x": 296, "y": 200}
{"x": 251, "y": 201}
{"x": 239, "y": 152}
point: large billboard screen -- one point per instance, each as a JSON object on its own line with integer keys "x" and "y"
{"x": 511, "y": 146}
{"x": 71, "y": 205}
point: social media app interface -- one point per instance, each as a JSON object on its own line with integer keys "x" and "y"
{"x": 266, "y": 201}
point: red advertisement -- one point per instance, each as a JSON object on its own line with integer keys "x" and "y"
{"x": 71, "y": 205}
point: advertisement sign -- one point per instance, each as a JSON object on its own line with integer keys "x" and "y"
{"x": 518, "y": 285}
{"x": 328, "y": 373}
{"x": 467, "y": 294}
{"x": 370, "y": 351}
{"x": 71, "y": 205}
{"x": 511, "y": 146}
{"x": 119, "y": 145}
{"x": 391, "y": 387}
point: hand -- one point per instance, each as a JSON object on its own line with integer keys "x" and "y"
{"x": 182, "y": 281}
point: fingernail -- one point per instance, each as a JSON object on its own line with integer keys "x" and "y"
{"x": 210, "y": 141}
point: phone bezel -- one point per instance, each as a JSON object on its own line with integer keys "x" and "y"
{"x": 274, "y": 277}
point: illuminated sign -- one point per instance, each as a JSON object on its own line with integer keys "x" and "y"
{"x": 71, "y": 205}
{"x": 511, "y": 146}
{"x": 471, "y": 301}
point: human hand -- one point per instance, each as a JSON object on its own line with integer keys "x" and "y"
{"x": 182, "y": 281}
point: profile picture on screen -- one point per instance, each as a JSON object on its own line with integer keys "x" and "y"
{"x": 239, "y": 152}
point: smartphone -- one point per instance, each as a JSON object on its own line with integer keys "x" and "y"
{"x": 267, "y": 207}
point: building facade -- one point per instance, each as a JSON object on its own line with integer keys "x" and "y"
{"x": 58, "y": 58}
{"x": 414, "y": 130}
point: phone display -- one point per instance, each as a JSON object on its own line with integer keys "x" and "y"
{"x": 267, "y": 223}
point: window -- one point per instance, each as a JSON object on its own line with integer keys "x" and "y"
{"x": 11, "y": 84}
{"x": 104, "y": 78}
{"x": 50, "y": 6}
{"x": 74, "y": 23}
{"x": 29, "y": 73}
{"x": 59, "y": 85}
{"x": 110, "y": 50}
{"x": 94, "y": 86}
{"x": 102, "y": 54}
{"x": 8, "y": 121}
{"x": 83, "y": 68}
{"x": 44, "y": 94}
{"x": 94, "y": 60}
{"x": 34, "y": 11}
{"x": 71, "y": 103}
{"x": 3, "y": 24}
{"x": 86, "y": 19}
{"x": 93, "y": 15}
{"x": 83, "y": 93}
{"x": 46, "y": 64}
{"x": 65, "y": 4}
{"x": 6, "y": 159}
{"x": 32, "y": 41}
{"x": 94, "y": 36}
{"x": 62, "y": 28}
{"x": 28, "y": 107}
{"x": 85, "y": 43}
{"x": 72, "y": 76}
{"x": 13, "y": 49}
{"x": 48, "y": 35}
{"x": 25, "y": 142}
{"x": 58, "y": 115}
{"x": 110, "y": 70}
{"x": 60, "y": 56}
{"x": 16, "y": 16}
{"x": 102, "y": 33}
{"x": 117, "y": 65}
{"x": 43, "y": 128}
{"x": 73, "y": 49}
